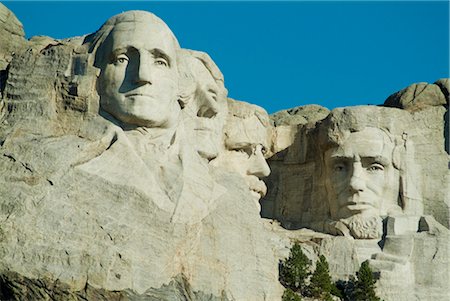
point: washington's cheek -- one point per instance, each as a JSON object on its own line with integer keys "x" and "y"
{"x": 111, "y": 81}
{"x": 166, "y": 84}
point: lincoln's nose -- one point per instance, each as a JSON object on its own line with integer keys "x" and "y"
{"x": 357, "y": 182}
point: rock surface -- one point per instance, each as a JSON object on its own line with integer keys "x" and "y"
{"x": 299, "y": 192}
{"x": 12, "y": 36}
{"x": 419, "y": 96}
{"x": 106, "y": 194}
{"x": 300, "y": 115}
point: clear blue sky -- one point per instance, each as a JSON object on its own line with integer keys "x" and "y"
{"x": 284, "y": 54}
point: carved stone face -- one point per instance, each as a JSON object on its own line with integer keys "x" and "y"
{"x": 247, "y": 140}
{"x": 360, "y": 176}
{"x": 138, "y": 83}
{"x": 207, "y": 112}
{"x": 248, "y": 160}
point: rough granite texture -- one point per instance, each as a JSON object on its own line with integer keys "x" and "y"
{"x": 94, "y": 208}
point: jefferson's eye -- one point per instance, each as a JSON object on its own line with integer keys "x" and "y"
{"x": 161, "y": 62}
{"x": 375, "y": 167}
{"x": 213, "y": 94}
{"x": 121, "y": 59}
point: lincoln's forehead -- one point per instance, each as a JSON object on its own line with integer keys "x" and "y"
{"x": 371, "y": 142}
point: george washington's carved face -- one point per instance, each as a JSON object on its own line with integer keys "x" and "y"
{"x": 138, "y": 83}
{"x": 361, "y": 178}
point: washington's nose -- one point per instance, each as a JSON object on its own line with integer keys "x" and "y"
{"x": 144, "y": 72}
{"x": 357, "y": 183}
{"x": 258, "y": 165}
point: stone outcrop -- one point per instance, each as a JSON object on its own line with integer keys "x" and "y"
{"x": 299, "y": 115}
{"x": 128, "y": 174}
{"x": 419, "y": 96}
{"x": 400, "y": 241}
{"x": 97, "y": 204}
{"x": 12, "y": 36}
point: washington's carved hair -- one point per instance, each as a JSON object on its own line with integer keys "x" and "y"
{"x": 96, "y": 40}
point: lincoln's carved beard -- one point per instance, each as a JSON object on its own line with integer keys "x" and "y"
{"x": 363, "y": 226}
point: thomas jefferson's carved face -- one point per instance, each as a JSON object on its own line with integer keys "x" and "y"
{"x": 360, "y": 176}
{"x": 207, "y": 112}
{"x": 138, "y": 83}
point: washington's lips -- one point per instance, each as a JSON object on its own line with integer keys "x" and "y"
{"x": 138, "y": 94}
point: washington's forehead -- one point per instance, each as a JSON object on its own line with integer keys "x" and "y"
{"x": 142, "y": 35}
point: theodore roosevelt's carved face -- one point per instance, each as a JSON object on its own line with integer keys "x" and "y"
{"x": 360, "y": 176}
{"x": 247, "y": 140}
{"x": 138, "y": 83}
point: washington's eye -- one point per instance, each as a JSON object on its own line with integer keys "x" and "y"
{"x": 375, "y": 167}
{"x": 121, "y": 59}
{"x": 161, "y": 62}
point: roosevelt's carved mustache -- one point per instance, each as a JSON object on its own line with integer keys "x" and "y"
{"x": 138, "y": 94}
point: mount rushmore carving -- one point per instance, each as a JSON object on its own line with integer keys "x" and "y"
{"x": 127, "y": 172}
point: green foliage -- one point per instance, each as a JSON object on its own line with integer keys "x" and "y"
{"x": 320, "y": 279}
{"x": 364, "y": 287}
{"x": 295, "y": 270}
{"x": 290, "y": 295}
{"x": 321, "y": 285}
{"x": 335, "y": 291}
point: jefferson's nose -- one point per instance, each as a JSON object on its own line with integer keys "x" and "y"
{"x": 258, "y": 165}
{"x": 208, "y": 107}
{"x": 357, "y": 182}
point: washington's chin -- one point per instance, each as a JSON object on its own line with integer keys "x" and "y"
{"x": 145, "y": 116}
{"x": 145, "y": 120}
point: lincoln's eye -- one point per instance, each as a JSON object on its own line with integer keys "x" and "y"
{"x": 339, "y": 167}
{"x": 374, "y": 167}
{"x": 121, "y": 59}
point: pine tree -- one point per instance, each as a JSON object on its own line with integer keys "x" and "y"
{"x": 365, "y": 284}
{"x": 290, "y": 295}
{"x": 295, "y": 269}
{"x": 321, "y": 285}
